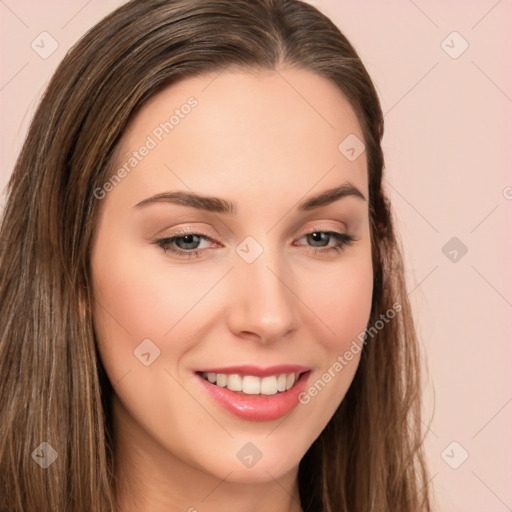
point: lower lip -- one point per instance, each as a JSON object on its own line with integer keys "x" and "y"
{"x": 257, "y": 407}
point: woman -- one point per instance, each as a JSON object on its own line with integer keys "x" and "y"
{"x": 203, "y": 302}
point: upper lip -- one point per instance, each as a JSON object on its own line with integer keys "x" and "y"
{"x": 258, "y": 371}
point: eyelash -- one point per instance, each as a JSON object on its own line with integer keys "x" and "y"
{"x": 342, "y": 240}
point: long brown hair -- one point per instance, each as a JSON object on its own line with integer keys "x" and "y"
{"x": 53, "y": 387}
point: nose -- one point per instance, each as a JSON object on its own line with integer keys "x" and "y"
{"x": 263, "y": 305}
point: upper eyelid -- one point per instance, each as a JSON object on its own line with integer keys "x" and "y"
{"x": 198, "y": 231}
{"x": 180, "y": 234}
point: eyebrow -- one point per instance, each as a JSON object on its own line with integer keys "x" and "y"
{"x": 218, "y": 205}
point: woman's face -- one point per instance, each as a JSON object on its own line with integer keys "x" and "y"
{"x": 258, "y": 280}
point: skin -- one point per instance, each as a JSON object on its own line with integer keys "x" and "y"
{"x": 254, "y": 140}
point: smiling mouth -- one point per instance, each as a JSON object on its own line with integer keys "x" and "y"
{"x": 253, "y": 385}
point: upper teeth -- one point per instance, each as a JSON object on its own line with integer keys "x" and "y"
{"x": 252, "y": 385}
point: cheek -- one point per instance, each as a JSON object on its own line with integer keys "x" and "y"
{"x": 124, "y": 306}
{"x": 341, "y": 299}
{"x": 139, "y": 296}
{"x": 135, "y": 292}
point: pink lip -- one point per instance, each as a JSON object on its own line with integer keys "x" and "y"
{"x": 257, "y": 407}
{"x": 258, "y": 371}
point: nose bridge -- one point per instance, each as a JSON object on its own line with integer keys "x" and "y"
{"x": 263, "y": 303}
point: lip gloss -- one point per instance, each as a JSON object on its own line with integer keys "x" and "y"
{"x": 256, "y": 407}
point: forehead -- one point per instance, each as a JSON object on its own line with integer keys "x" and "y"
{"x": 245, "y": 131}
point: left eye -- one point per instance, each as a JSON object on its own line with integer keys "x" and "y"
{"x": 341, "y": 239}
{"x": 187, "y": 245}
{"x": 184, "y": 242}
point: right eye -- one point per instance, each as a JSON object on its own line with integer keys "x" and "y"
{"x": 179, "y": 244}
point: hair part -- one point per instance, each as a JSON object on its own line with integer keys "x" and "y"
{"x": 53, "y": 386}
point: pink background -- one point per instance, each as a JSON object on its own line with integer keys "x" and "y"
{"x": 448, "y": 121}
